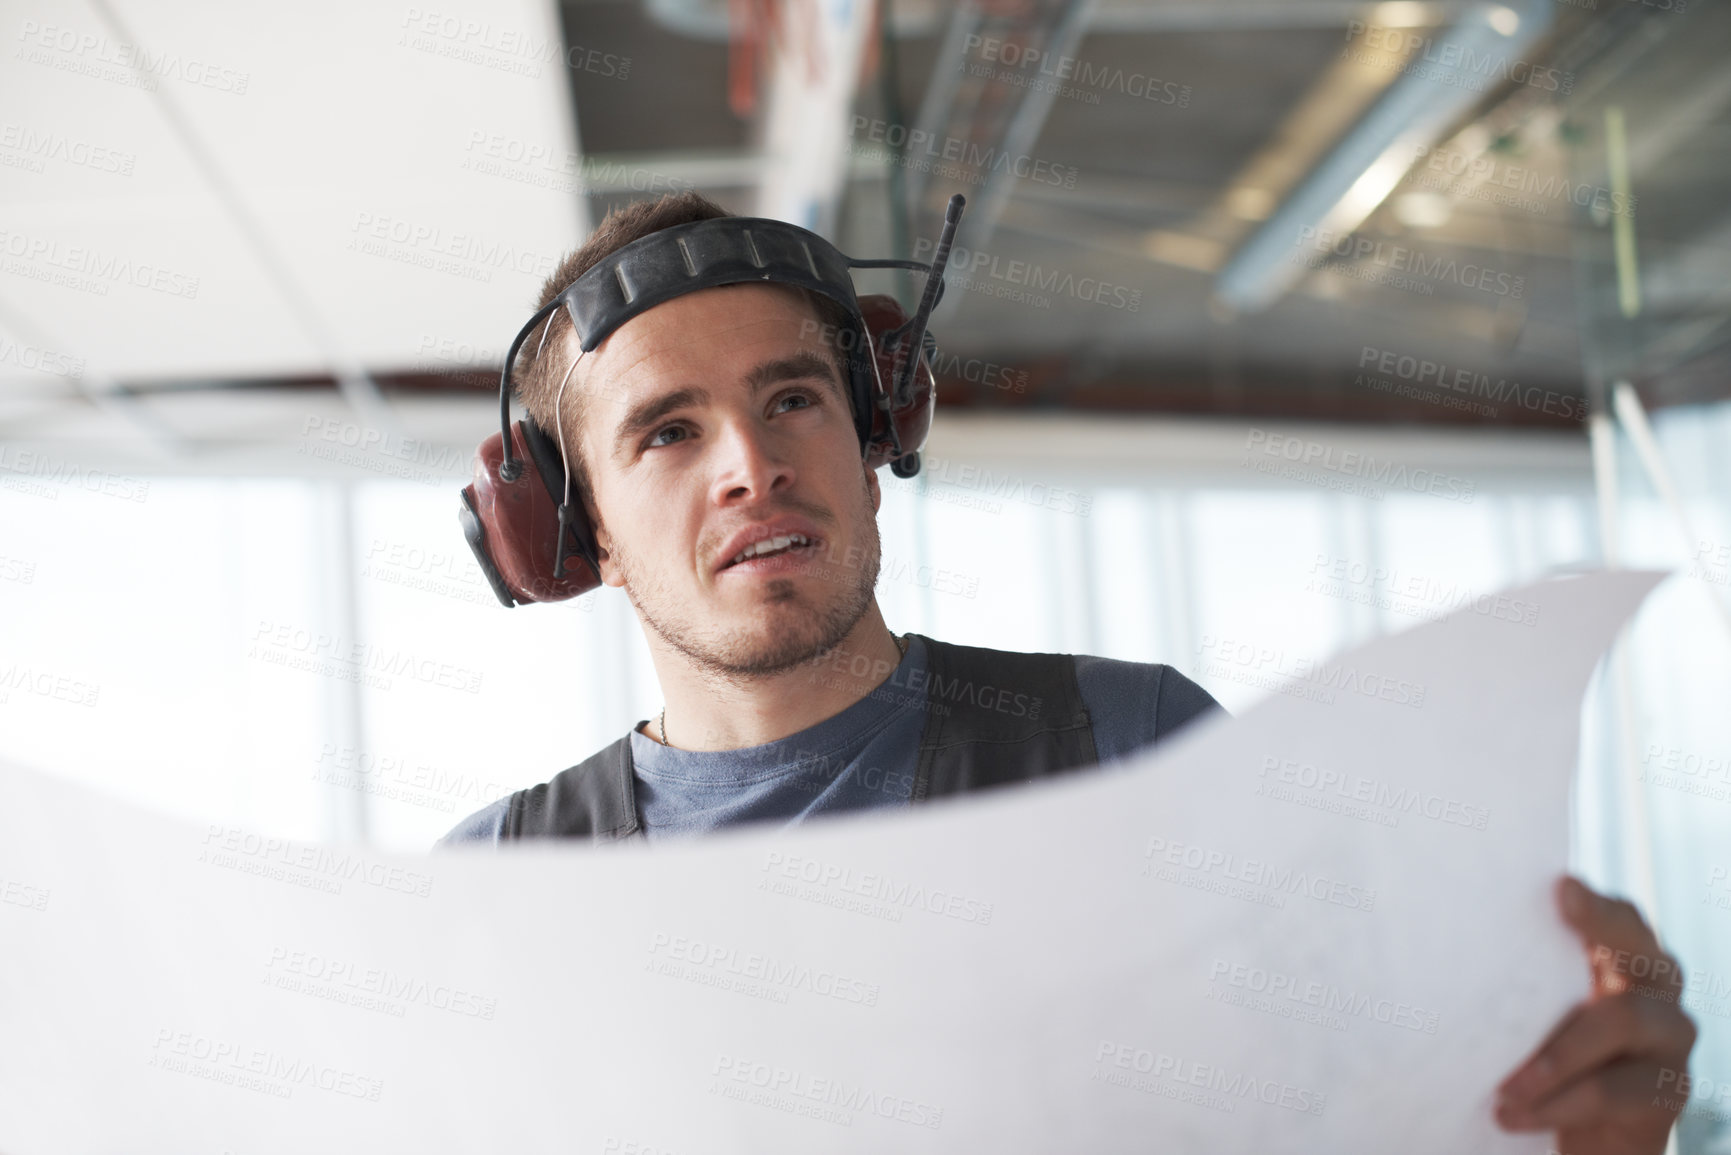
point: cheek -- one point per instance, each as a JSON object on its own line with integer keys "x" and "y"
{"x": 658, "y": 522}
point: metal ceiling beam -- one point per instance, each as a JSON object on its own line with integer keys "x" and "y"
{"x": 972, "y": 115}
{"x": 97, "y": 388}
{"x": 1353, "y": 179}
{"x": 707, "y": 19}
{"x": 812, "y": 86}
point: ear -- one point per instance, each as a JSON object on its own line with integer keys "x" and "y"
{"x": 876, "y": 489}
{"x": 610, "y": 573}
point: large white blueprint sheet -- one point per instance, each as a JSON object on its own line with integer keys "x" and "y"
{"x": 1326, "y": 925}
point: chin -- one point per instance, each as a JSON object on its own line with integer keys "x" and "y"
{"x": 780, "y": 633}
{"x": 768, "y": 627}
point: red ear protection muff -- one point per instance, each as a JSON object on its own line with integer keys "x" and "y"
{"x": 522, "y": 516}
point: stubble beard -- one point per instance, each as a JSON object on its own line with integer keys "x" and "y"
{"x": 787, "y": 630}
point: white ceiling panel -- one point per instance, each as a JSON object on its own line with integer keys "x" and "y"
{"x": 196, "y": 189}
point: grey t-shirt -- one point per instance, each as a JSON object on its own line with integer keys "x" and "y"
{"x": 863, "y": 757}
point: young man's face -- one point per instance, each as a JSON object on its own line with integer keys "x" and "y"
{"x": 712, "y": 421}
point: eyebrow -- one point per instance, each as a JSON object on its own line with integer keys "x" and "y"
{"x": 645, "y": 415}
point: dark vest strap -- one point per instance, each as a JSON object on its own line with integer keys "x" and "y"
{"x": 996, "y": 717}
{"x": 992, "y": 717}
{"x": 594, "y": 799}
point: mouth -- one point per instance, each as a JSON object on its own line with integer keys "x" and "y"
{"x": 777, "y": 554}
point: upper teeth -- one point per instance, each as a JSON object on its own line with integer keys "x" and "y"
{"x": 769, "y": 545}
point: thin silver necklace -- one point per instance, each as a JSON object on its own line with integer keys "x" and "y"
{"x": 661, "y": 723}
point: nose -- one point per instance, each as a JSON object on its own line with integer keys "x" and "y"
{"x": 751, "y": 463}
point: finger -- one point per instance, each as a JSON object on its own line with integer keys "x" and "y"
{"x": 1537, "y": 1065}
{"x": 1620, "y": 945}
{"x": 1618, "y": 1098}
{"x": 1603, "y": 921}
{"x": 1596, "y": 1034}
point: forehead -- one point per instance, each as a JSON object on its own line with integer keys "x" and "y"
{"x": 720, "y": 333}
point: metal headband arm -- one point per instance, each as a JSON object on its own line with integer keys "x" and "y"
{"x": 510, "y": 468}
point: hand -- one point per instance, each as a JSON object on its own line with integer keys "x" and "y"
{"x": 1611, "y": 1077}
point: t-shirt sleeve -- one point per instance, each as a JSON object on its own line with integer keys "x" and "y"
{"x": 1137, "y": 704}
{"x": 485, "y": 825}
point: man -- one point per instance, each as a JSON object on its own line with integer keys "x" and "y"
{"x": 715, "y": 452}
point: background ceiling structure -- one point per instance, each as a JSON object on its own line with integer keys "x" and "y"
{"x": 1233, "y": 207}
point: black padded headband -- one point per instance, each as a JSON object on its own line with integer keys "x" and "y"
{"x": 682, "y": 259}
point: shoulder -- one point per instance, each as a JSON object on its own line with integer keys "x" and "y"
{"x": 1136, "y": 704}
{"x": 580, "y": 800}
{"x": 1130, "y": 704}
{"x": 1035, "y": 686}
{"x": 484, "y": 825}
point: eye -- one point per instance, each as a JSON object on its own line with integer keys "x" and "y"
{"x": 804, "y": 395}
{"x": 655, "y": 438}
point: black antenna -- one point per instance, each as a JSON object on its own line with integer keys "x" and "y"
{"x": 914, "y": 341}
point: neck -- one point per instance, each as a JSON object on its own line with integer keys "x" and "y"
{"x": 708, "y": 713}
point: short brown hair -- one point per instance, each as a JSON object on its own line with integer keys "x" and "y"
{"x": 539, "y": 383}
